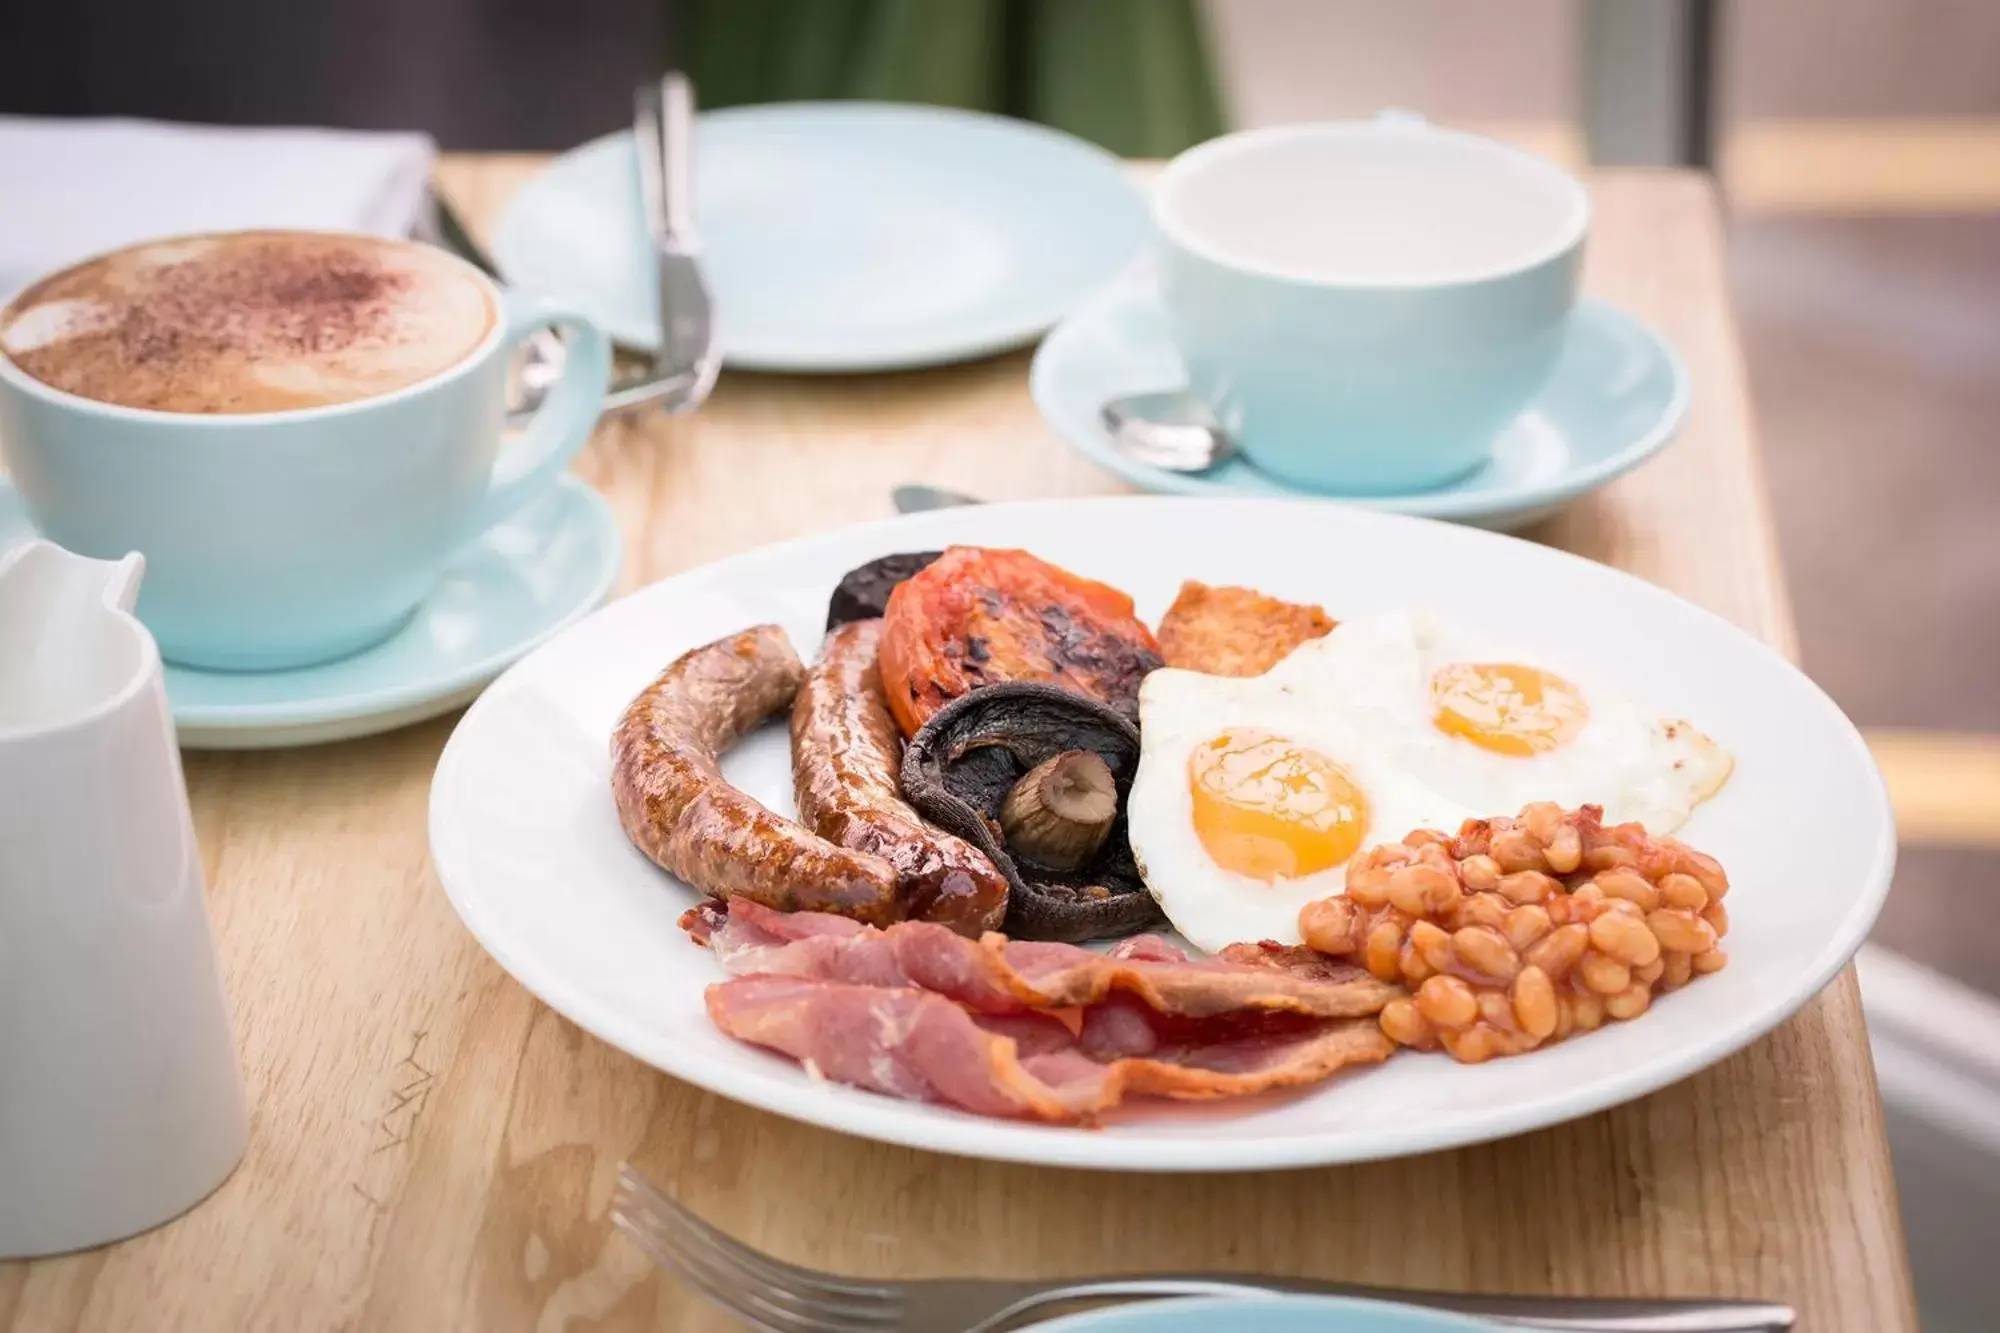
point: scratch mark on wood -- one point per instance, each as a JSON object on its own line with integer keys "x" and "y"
{"x": 406, "y": 1102}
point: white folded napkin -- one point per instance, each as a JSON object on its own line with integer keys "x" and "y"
{"x": 72, "y": 188}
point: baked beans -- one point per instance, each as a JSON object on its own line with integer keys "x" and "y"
{"x": 1520, "y": 931}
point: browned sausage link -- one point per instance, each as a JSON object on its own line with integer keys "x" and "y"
{"x": 680, "y": 811}
{"x": 846, "y": 757}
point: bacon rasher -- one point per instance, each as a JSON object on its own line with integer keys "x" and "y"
{"x": 1030, "y": 1029}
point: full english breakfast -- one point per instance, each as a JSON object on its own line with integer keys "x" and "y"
{"x": 994, "y": 761}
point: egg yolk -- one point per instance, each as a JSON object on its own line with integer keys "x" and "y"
{"x": 1268, "y": 808}
{"x": 1505, "y": 708}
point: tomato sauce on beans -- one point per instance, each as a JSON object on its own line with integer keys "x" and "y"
{"x": 1517, "y": 932}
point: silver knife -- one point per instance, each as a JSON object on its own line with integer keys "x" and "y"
{"x": 663, "y": 133}
{"x": 917, "y": 499}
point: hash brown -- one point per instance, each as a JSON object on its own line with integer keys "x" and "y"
{"x": 1235, "y": 631}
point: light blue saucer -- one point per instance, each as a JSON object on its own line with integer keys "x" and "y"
{"x": 1266, "y": 1314}
{"x": 516, "y": 586}
{"x": 1616, "y": 397}
{"x": 842, "y": 236}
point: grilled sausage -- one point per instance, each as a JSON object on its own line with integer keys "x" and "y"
{"x": 679, "y": 810}
{"x": 847, "y": 754}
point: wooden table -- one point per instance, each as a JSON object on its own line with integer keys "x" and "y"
{"x": 434, "y": 1149}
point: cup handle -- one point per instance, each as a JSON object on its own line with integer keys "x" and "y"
{"x": 559, "y": 427}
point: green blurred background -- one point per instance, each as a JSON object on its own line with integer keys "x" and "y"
{"x": 1132, "y": 75}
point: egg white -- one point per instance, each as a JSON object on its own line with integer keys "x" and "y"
{"x": 1375, "y": 673}
{"x": 1214, "y": 907}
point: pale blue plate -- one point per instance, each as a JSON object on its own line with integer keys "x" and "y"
{"x": 1616, "y": 397}
{"x": 842, "y": 236}
{"x": 1266, "y": 1314}
{"x": 505, "y": 594}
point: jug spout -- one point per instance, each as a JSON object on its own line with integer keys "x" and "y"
{"x": 75, "y": 579}
{"x": 117, "y": 581}
{"x": 68, "y": 640}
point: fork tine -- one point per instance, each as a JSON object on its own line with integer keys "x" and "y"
{"x": 696, "y": 1252}
{"x": 776, "y": 1299}
{"x": 804, "y": 1285}
{"x": 771, "y": 1299}
{"x": 739, "y": 1295}
{"x": 805, "y": 1281}
{"x": 718, "y": 1292}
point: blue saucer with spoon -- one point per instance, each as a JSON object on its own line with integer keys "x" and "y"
{"x": 1617, "y": 394}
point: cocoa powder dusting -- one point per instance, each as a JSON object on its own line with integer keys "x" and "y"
{"x": 250, "y": 321}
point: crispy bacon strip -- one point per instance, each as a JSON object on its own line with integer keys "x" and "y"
{"x": 1148, "y": 948}
{"x": 995, "y": 975}
{"x": 1294, "y": 960}
{"x": 919, "y": 1045}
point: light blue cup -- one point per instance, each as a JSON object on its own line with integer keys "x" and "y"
{"x": 280, "y": 539}
{"x": 1366, "y": 304}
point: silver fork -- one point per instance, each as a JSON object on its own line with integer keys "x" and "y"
{"x": 769, "y": 1294}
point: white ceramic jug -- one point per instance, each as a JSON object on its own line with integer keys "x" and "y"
{"x": 121, "y": 1100}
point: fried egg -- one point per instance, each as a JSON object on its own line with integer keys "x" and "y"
{"x": 1252, "y": 794}
{"x": 1494, "y": 727}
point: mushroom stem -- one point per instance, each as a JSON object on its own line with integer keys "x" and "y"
{"x": 1061, "y": 811}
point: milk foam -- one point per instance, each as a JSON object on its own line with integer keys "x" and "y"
{"x": 51, "y": 322}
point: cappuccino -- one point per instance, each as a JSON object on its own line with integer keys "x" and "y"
{"x": 255, "y": 321}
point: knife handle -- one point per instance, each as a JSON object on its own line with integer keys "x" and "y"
{"x": 677, "y": 169}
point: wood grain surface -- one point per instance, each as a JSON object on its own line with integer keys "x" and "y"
{"x": 434, "y": 1149}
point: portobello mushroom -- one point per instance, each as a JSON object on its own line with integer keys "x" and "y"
{"x": 962, "y": 766}
{"x": 863, "y": 592}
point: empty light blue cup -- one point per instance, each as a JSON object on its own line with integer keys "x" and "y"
{"x": 1366, "y": 304}
{"x": 280, "y": 539}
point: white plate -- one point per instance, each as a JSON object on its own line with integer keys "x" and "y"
{"x": 529, "y": 848}
{"x": 842, "y": 236}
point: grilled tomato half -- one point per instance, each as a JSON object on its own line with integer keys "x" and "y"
{"x": 977, "y": 617}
